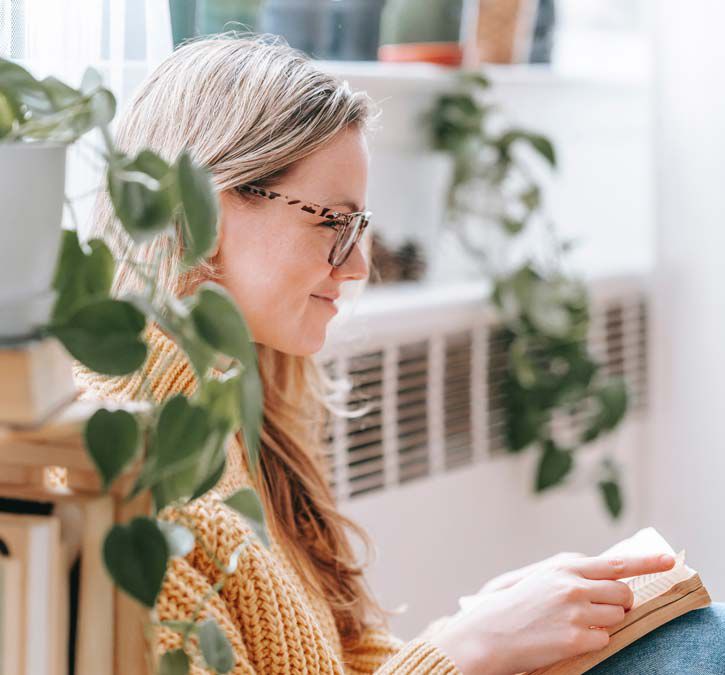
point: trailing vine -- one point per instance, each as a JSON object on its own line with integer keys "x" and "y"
{"x": 495, "y": 206}
{"x": 176, "y": 449}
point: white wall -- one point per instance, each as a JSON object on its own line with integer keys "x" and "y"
{"x": 688, "y": 448}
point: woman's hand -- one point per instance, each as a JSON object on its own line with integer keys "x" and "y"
{"x": 508, "y": 579}
{"x": 556, "y": 612}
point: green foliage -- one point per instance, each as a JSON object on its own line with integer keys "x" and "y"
{"x": 50, "y": 110}
{"x": 80, "y": 277}
{"x": 215, "y": 647}
{"x": 544, "y": 314}
{"x": 199, "y": 223}
{"x": 246, "y": 503}
{"x": 105, "y": 336}
{"x": 174, "y": 663}
{"x": 135, "y": 556}
{"x": 142, "y": 193}
{"x": 112, "y": 441}
{"x": 181, "y": 444}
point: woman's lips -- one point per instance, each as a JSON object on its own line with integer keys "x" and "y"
{"x": 328, "y": 301}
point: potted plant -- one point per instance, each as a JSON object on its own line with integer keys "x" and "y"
{"x": 37, "y": 122}
{"x": 421, "y": 31}
{"x": 326, "y": 29}
{"x": 104, "y": 333}
{"x": 494, "y": 203}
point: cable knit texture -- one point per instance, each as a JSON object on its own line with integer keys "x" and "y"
{"x": 274, "y": 623}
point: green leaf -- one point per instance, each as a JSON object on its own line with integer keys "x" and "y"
{"x": 20, "y": 89}
{"x": 179, "y": 539}
{"x": 142, "y": 194}
{"x": 218, "y": 321}
{"x": 91, "y": 81}
{"x": 7, "y": 116}
{"x": 246, "y": 503}
{"x": 539, "y": 143}
{"x": 612, "y": 495}
{"x": 513, "y": 226}
{"x": 554, "y": 465}
{"x": 80, "y": 277}
{"x": 221, "y": 397}
{"x": 521, "y": 364}
{"x": 174, "y": 663}
{"x": 213, "y": 477}
{"x": 112, "y": 441}
{"x": 215, "y": 647}
{"x": 531, "y": 198}
{"x": 475, "y": 78}
{"x": 102, "y": 107}
{"x": 173, "y": 466}
{"x": 544, "y": 147}
{"x": 199, "y": 202}
{"x": 547, "y": 312}
{"x": 104, "y": 335}
{"x": 60, "y": 94}
{"x": 135, "y": 556}
{"x": 252, "y": 414}
{"x": 612, "y": 402}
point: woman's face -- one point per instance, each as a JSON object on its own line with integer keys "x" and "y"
{"x": 274, "y": 256}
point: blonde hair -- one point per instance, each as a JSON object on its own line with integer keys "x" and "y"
{"x": 248, "y": 109}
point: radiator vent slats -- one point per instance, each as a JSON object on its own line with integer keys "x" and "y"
{"x": 427, "y": 412}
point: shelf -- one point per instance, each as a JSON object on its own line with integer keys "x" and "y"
{"x": 519, "y": 75}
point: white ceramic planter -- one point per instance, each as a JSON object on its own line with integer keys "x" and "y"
{"x": 32, "y": 183}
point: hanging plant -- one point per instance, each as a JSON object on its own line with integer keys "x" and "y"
{"x": 180, "y": 443}
{"x": 495, "y": 207}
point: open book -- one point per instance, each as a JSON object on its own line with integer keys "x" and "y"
{"x": 658, "y": 598}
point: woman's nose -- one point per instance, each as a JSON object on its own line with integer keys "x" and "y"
{"x": 354, "y": 268}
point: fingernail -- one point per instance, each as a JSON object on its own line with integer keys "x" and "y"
{"x": 666, "y": 558}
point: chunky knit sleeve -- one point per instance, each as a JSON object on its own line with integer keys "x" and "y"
{"x": 381, "y": 653}
{"x": 184, "y": 587}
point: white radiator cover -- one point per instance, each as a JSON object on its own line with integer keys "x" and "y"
{"x": 424, "y": 471}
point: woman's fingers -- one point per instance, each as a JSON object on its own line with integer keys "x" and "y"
{"x": 604, "y": 615}
{"x": 604, "y": 567}
{"x": 610, "y": 593}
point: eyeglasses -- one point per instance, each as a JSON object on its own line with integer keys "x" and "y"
{"x": 349, "y": 226}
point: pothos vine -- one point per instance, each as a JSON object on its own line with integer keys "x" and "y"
{"x": 495, "y": 206}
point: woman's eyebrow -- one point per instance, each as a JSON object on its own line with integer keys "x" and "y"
{"x": 338, "y": 201}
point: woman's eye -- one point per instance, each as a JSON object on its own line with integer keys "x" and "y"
{"x": 334, "y": 224}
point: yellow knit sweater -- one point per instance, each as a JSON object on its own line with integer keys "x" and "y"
{"x": 273, "y": 622}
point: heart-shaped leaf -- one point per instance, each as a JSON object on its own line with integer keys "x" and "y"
{"x": 218, "y": 321}
{"x": 105, "y": 336}
{"x": 112, "y": 441}
{"x": 174, "y": 663}
{"x": 199, "y": 202}
{"x": 136, "y": 556}
{"x": 246, "y": 503}
{"x": 554, "y": 465}
{"x": 215, "y": 647}
{"x": 142, "y": 194}
{"x": 173, "y": 465}
{"x": 78, "y": 277}
{"x": 252, "y": 414}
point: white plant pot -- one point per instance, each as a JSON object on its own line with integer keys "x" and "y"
{"x": 32, "y": 183}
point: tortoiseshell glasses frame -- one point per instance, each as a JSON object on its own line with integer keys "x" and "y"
{"x": 349, "y": 226}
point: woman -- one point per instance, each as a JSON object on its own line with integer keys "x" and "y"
{"x": 281, "y": 138}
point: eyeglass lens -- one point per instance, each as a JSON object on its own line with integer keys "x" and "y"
{"x": 349, "y": 236}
